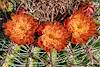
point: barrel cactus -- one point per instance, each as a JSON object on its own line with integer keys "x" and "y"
{"x": 49, "y": 33}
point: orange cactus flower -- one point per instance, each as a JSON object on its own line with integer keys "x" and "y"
{"x": 81, "y": 26}
{"x": 52, "y": 36}
{"x": 20, "y": 28}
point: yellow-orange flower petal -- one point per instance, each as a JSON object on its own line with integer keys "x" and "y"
{"x": 81, "y": 26}
{"x": 53, "y": 36}
{"x": 20, "y": 28}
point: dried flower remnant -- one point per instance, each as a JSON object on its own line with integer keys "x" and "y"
{"x": 81, "y": 26}
{"x": 2, "y": 5}
{"x": 6, "y": 5}
{"x": 20, "y": 28}
{"x": 52, "y": 36}
{"x": 88, "y": 9}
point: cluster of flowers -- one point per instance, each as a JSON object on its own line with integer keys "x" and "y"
{"x": 21, "y": 29}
